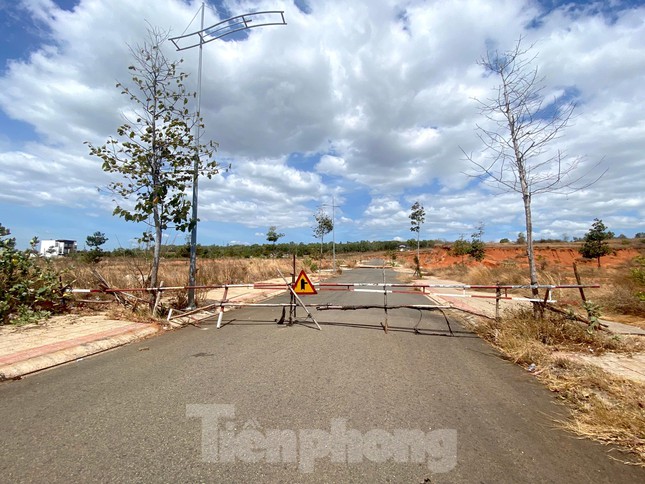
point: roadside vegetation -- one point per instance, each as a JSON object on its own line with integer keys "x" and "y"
{"x": 155, "y": 153}
{"x": 621, "y": 295}
{"x": 30, "y": 287}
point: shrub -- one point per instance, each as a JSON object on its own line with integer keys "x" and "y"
{"x": 638, "y": 272}
{"x": 27, "y": 283}
{"x": 477, "y": 250}
{"x": 461, "y": 247}
{"x": 627, "y": 294}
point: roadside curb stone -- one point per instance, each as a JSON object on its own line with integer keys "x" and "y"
{"x": 19, "y": 364}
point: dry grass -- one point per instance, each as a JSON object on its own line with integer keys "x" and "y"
{"x": 528, "y": 340}
{"x": 506, "y": 273}
{"x": 132, "y": 272}
{"x": 618, "y": 295}
{"x": 604, "y": 407}
{"x": 627, "y": 295}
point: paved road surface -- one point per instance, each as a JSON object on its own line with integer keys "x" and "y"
{"x": 258, "y": 402}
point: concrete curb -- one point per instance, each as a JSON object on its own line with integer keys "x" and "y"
{"x": 49, "y": 356}
{"x": 620, "y": 328}
{"x": 73, "y": 351}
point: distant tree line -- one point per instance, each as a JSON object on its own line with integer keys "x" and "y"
{"x": 271, "y": 249}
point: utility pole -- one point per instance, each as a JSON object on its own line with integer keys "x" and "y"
{"x": 333, "y": 232}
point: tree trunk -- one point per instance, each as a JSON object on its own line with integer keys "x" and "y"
{"x": 156, "y": 256}
{"x": 530, "y": 253}
{"x": 526, "y": 197}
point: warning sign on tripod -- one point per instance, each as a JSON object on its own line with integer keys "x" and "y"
{"x": 303, "y": 285}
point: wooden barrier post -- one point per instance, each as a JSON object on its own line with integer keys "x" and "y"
{"x": 498, "y": 295}
{"x": 575, "y": 273}
{"x": 582, "y": 293}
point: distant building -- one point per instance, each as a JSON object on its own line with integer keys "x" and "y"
{"x": 55, "y": 248}
{"x": 403, "y": 248}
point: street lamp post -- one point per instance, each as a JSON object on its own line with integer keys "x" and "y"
{"x": 333, "y": 230}
{"x": 198, "y": 39}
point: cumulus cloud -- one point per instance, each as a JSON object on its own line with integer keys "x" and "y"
{"x": 376, "y": 98}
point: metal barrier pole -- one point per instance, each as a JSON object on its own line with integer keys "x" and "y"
{"x": 292, "y": 300}
{"x": 385, "y": 301}
{"x": 221, "y": 308}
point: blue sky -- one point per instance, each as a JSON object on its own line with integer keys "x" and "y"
{"x": 368, "y": 102}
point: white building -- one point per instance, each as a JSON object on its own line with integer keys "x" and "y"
{"x": 55, "y": 248}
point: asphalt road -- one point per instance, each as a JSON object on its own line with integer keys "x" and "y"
{"x": 261, "y": 402}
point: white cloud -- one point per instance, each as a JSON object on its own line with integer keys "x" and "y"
{"x": 378, "y": 94}
{"x": 331, "y": 165}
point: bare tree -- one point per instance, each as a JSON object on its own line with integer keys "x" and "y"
{"x": 521, "y": 126}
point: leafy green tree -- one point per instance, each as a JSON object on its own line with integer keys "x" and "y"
{"x": 155, "y": 152}
{"x": 94, "y": 242}
{"x": 595, "y": 241}
{"x": 324, "y": 225}
{"x": 521, "y": 239}
{"x": 417, "y": 217}
{"x": 6, "y": 243}
{"x": 273, "y": 235}
{"x": 504, "y": 241}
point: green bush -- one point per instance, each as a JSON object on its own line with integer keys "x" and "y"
{"x": 638, "y": 276}
{"x": 460, "y": 247}
{"x": 27, "y": 283}
{"x": 638, "y": 272}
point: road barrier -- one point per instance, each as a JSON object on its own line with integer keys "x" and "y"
{"x": 216, "y": 309}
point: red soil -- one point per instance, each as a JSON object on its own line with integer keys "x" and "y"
{"x": 441, "y": 256}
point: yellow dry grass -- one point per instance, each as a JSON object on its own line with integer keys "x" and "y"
{"x": 618, "y": 295}
{"x": 132, "y": 272}
{"x": 604, "y": 407}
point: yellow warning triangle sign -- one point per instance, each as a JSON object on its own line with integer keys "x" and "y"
{"x": 303, "y": 285}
